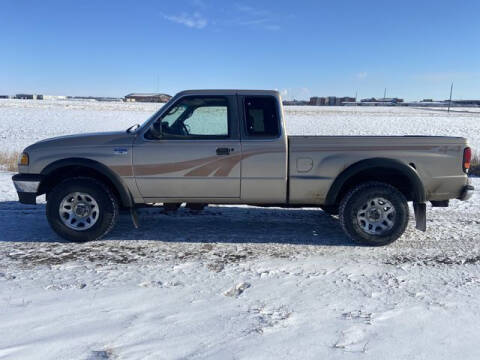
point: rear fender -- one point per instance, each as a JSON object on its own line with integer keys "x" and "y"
{"x": 418, "y": 190}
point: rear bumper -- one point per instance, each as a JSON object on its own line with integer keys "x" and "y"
{"x": 466, "y": 193}
{"x": 27, "y": 187}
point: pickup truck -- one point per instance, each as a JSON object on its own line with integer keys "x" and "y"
{"x": 231, "y": 147}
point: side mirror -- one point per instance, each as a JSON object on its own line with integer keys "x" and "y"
{"x": 155, "y": 132}
{"x": 133, "y": 128}
{"x": 165, "y": 128}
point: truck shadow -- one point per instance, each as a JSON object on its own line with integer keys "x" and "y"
{"x": 223, "y": 224}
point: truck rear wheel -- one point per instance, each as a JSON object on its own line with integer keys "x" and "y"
{"x": 374, "y": 213}
{"x": 81, "y": 209}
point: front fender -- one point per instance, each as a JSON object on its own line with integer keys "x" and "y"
{"x": 118, "y": 183}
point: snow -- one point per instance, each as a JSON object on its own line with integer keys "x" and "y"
{"x": 23, "y": 122}
{"x": 235, "y": 282}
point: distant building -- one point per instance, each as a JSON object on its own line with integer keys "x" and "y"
{"x": 295, "y": 102}
{"x": 381, "y": 101}
{"x": 330, "y": 100}
{"x": 156, "y": 98}
{"x": 391, "y": 100}
{"x": 5, "y": 96}
{"x": 29, "y": 96}
{"x": 318, "y": 101}
{"x": 466, "y": 102}
{"x": 26, "y": 96}
{"x": 94, "y": 98}
{"x": 346, "y": 99}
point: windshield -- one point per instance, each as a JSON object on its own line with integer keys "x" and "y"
{"x": 154, "y": 115}
{"x": 150, "y": 118}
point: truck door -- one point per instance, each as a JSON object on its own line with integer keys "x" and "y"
{"x": 192, "y": 151}
{"x": 264, "y": 150}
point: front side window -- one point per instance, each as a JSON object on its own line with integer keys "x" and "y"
{"x": 261, "y": 116}
{"x": 193, "y": 117}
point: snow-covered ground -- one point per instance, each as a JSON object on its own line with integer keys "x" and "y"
{"x": 23, "y": 122}
{"x": 236, "y": 282}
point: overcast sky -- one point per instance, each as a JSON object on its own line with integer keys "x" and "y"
{"x": 304, "y": 48}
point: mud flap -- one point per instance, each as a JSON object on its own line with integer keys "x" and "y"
{"x": 420, "y": 210}
{"x": 133, "y": 213}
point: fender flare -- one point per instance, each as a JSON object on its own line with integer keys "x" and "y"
{"x": 123, "y": 191}
{"x": 382, "y": 163}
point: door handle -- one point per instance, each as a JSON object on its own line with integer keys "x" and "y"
{"x": 223, "y": 151}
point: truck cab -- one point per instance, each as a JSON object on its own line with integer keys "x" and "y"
{"x": 226, "y": 146}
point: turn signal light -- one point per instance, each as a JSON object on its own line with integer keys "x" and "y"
{"x": 23, "y": 159}
{"x": 467, "y": 158}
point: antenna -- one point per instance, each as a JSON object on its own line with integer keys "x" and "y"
{"x": 450, "y": 101}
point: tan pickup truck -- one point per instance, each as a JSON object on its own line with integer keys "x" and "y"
{"x": 231, "y": 147}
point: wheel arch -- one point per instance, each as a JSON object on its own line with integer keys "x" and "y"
{"x": 390, "y": 171}
{"x": 62, "y": 169}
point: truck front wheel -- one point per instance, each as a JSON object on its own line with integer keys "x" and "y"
{"x": 81, "y": 209}
{"x": 374, "y": 213}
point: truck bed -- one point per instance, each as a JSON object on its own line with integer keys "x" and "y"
{"x": 315, "y": 162}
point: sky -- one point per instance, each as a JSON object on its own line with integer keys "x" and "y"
{"x": 414, "y": 49}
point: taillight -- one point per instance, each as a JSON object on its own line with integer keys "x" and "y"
{"x": 467, "y": 158}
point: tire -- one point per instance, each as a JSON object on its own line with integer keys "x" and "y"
{"x": 196, "y": 206}
{"x": 92, "y": 205}
{"x": 171, "y": 207}
{"x": 330, "y": 210}
{"x": 374, "y": 214}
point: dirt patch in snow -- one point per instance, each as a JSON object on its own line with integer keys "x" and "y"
{"x": 106, "y": 253}
{"x": 434, "y": 260}
{"x": 55, "y": 254}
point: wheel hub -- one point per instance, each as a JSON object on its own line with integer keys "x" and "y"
{"x": 376, "y": 216}
{"x": 82, "y": 210}
{"x": 79, "y": 211}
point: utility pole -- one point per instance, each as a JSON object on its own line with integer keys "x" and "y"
{"x": 385, "y": 94}
{"x": 450, "y": 101}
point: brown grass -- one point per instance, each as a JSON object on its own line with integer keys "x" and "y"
{"x": 9, "y": 160}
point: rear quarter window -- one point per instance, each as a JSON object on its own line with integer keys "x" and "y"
{"x": 261, "y": 115}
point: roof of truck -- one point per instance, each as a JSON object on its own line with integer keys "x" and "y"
{"x": 229, "y": 92}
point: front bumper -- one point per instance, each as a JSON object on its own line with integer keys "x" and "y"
{"x": 466, "y": 193}
{"x": 27, "y": 187}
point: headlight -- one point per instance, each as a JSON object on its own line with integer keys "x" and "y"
{"x": 23, "y": 160}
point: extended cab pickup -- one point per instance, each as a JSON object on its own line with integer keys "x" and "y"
{"x": 231, "y": 147}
